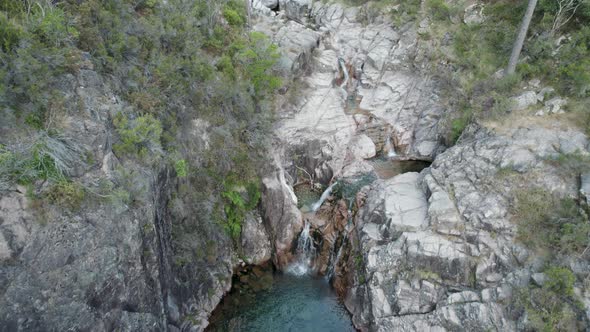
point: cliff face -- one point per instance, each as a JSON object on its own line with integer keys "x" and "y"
{"x": 440, "y": 249}
{"x": 107, "y": 266}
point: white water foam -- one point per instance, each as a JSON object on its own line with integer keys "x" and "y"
{"x": 305, "y": 254}
{"x": 316, "y": 206}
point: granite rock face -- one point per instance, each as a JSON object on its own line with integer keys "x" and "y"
{"x": 104, "y": 266}
{"x": 255, "y": 241}
{"x": 356, "y": 81}
{"x": 439, "y": 247}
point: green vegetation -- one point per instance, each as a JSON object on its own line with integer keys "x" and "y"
{"x": 439, "y": 10}
{"x": 139, "y": 136}
{"x": 66, "y": 194}
{"x": 550, "y": 223}
{"x": 171, "y": 64}
{"x": 551, "y": 307}
{"x": 479, "y": 51}
{"x": 50, "y": 158}
{"x": 181, "y": 168}
{"x": 238, "y": 201}
{"x": 572, "y": 164}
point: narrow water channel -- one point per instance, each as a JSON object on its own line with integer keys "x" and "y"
{"x": 292, "y": 303}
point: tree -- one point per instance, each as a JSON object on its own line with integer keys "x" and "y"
{"x": 524, "y": 27}
{"x": 566, "y": 10}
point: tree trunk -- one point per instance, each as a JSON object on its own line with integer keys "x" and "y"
{"x": 524, "y": 27}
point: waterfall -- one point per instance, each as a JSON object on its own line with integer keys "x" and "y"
{"x": 305, "y": 253}
{"x": 345, "y": 72}
{"x": 316, "y": 206}
{"x": 334, "y": 262}
{"x": 389, "y": 146}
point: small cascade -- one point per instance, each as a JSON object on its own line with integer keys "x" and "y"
{"x": 389, "y": 148}
{"x": 342, "y": 65}
{"x": 316, "y": 206}
{"x": 334, "y": 262}
{"x": 305, "y": 253}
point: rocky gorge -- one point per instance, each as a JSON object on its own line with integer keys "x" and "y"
{"x": 433, "y": 246}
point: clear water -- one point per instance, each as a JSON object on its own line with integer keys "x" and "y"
{"x": 292, "y": 304}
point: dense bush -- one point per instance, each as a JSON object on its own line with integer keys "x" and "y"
{"x": 551, "y": 307}
{"x": 171, "y": 64}
{"x": 237, "y": 203}
{"x": 138, "y": 136}
{"x": 547, "y": 222}
{"x": 439, "y": 9}
{"x": 66, "y": 194}
{"x": 181, "y": 168}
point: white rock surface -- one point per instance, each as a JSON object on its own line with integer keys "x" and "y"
{"x": 524, "y": 101}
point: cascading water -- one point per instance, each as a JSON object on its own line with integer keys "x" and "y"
{"x": 345, "y": 72}
{"x": 305, "y": 253}
{"x": 316, "y": 206}
{"x": 335, "y": 260}
{"x": 389, "y": 146}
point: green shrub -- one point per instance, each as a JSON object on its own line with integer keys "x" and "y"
{"x": 181, "y": 167}
{"x": 12, "y": 7}
{"x": 225, "y": 65}
{"x": 547, "y": 311}
{"x": 507, "y": 84}
{"x": 35, "y": 120}
{"x": 439, "y": 10}
{"x": 236, "y": 204}
{"x": 258, "y": 59}
{"x": 407, "y": 10}
{"x": 549, "y": 308}
{"x": 560, "y": 280}
{"x": 571, "y": 163}
{"x": 10, "y": 33}
{"x": 549, "y": 223}
{"x": 573, "y": 63}
{"x": 138, "y": 136}
{"x": 51, "y": 26}
{"x": 458, "y": 125}
{"x": 66, "y": 194}
{"x": 233, "y": 17}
